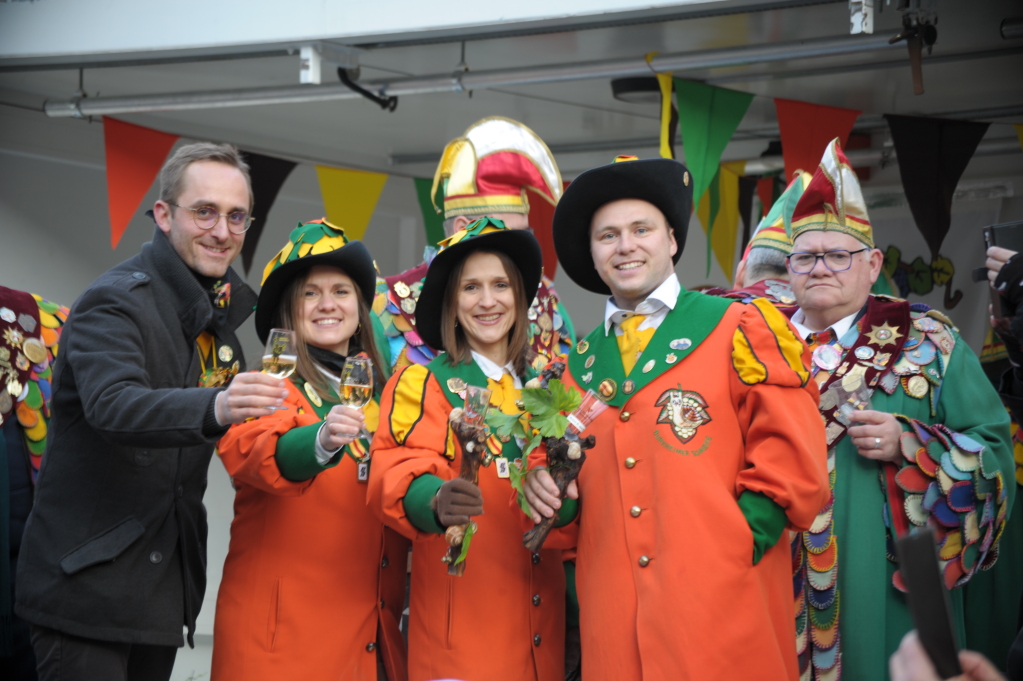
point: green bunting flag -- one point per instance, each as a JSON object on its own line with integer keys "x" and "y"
{"x": 707, "y": 118}
{"x": 719, "y": 215}
{"x": 433, "y": 220}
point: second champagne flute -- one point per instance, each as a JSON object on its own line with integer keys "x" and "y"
{"x": 356, "y": 387}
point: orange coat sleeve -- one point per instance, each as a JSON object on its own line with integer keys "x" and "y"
{"x": 776, "y": 402}
{"x": 249, "y": 449}
{"x": 413, "y": 439}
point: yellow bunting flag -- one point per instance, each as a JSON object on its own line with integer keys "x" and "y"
{"x": 719, "y": 215}
{"x": 665, "y": 82}
{"x": 350, "y": 197}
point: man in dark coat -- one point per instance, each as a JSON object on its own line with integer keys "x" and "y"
{"x": 113, "y": 561}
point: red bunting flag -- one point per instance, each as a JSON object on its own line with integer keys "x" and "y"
{"x": 134, "y": 157}
{"x": 806, "y": 129}
{"x": 541, "y": 221}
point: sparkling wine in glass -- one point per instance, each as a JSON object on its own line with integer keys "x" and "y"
{"x": 356, "y": 387}
{"x": 279, "y": 357}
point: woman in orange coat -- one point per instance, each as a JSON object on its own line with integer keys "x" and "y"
{"x": 314, "y": 584}
{"x": 504, "y": 618}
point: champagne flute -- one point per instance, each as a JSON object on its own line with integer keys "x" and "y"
{"x": 356, "y": 387}
{"x": 280, "y": 356}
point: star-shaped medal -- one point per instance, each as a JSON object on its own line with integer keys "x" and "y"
{"x": 883, "y": 335}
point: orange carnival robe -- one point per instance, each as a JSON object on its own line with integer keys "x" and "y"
{"x": 309, "y": 567}
{"x": 665, "y": 576}
{"x": 504, "y": 618}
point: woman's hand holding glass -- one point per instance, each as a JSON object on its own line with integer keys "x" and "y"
{"x": 341, "y": 425}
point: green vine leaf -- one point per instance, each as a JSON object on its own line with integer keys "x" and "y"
{"x": 517, "y": 477}
{"x": 549, "y": 407}
{"x": 505, "y": 425}
{"x": 531, "y": 444}
{"x": 470, "y": 530}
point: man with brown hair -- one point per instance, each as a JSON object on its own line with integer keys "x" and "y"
{"x": 113, "y": 561}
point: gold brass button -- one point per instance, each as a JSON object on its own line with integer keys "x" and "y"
{"x": 644, "y": 561}
{"x": 635, "y": 511}
{"x": 626, "y": 416}
{"x": 630, "y": 462}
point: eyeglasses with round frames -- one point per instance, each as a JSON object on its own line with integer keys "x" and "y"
{"x": 836, "y": 261}
{"x": 206, "y": 217}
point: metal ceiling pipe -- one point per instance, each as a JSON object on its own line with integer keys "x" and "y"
{"x": 867, "y": 157}
{"x": 472, "y": 80}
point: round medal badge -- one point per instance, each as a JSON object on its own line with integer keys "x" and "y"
{"x": 826, "y": 357}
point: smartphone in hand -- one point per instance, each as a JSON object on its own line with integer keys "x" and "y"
{"x": 928, "y": 601}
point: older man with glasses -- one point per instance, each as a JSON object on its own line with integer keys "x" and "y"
{"x": 113, "y": 561}
{"x": 916, "y": 435}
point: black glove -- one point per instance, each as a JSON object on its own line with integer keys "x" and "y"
{"x": 1008, "y": 284}
{"x": 456, "y": 501}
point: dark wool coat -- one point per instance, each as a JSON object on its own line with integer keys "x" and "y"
{"x": 115, "y": 547}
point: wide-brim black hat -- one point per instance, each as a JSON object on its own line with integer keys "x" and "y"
{"x": 518, "y": 244}
{"x": 353, "y": 258}
{"x": 663, "y": 182}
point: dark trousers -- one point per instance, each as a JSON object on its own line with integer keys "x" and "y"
{"x": 63, "y": 657}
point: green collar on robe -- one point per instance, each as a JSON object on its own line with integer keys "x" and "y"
{"x": 694, "y": 317}
{"x": 325, "y": 404}
{"x": 471, "y": 374}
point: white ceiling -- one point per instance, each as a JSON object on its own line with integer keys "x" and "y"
{"x": 357, "y": 133}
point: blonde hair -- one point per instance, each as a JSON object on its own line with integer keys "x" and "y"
{"x": 172, "y": 175}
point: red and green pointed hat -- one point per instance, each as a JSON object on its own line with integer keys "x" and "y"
{"x": 833, "y": 201}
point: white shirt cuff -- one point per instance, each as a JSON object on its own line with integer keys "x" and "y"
{"x": 323, "y": 456}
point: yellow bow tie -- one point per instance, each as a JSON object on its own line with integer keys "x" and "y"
{"x": 504, "y": 394}
{"x": 633, "y": 342}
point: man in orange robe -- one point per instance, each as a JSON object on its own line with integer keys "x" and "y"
{"x": 712, "y": 448}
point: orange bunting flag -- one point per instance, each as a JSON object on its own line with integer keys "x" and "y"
{"x": 134, "y": 156}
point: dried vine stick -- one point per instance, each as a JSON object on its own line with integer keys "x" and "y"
{"x": 564, "y": 462}
{"x": 473, "y": 440}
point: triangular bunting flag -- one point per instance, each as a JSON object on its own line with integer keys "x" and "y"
{"x": 707, "y": 118}
{"x": 134, "y": 156}
{"x": 432, "y": 220}
{"x": 541, "y": 221}
{"x": 932, "y": 154}
{"x": 719, "y": 215}
{"x": 806, "y": 129}
{"x": 268, "y": 175}
{"x": 669, "y": 114}
{"x": 350, "y": 197}
{"x": 767, "y": 193}
{"x": 747, "y": 188}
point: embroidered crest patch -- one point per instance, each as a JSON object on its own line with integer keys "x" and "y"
{"x": 684, "y": 411}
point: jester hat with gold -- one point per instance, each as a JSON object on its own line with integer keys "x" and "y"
{"x": 314, "y": 243}
{"x": 493, "y": 168}
{"x": 833, "y": 200}
{"x": 484, "y": 234}
{"x": 775, "y": 230}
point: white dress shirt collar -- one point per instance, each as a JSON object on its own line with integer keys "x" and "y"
{"x": 841, "y": 327}
{"x": 660, "y": 300}
{"x": 493, "y": 370}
